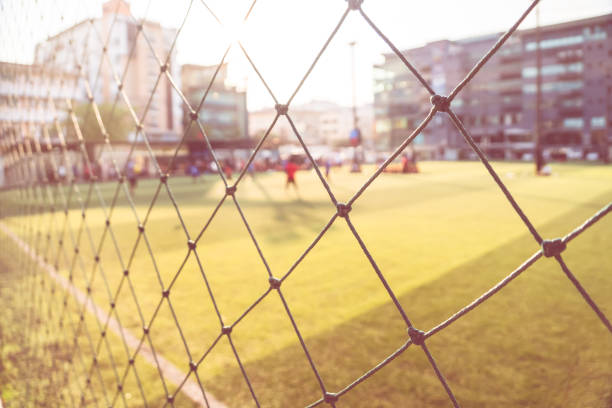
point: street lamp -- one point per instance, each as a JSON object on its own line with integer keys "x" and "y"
{"x": 538, "y": 156}
{"x": 355, "y": 134}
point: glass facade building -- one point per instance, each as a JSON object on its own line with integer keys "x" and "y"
{"x": 224, "y": 113}
{"x": 499, "y": 105}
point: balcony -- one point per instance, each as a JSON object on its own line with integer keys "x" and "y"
{"x": 570, "y": 111}
{"x": 567, "y": 58}
{"x": 505, "y": 76}
{"x": 511, "y": 59}
{"x": 569, "y": 76}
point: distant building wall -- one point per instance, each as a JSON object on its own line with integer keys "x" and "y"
{"x": 33, "y": 93}
{"x": 576, "y": 82}
{"x": 83, "y": 43}
{"x": 318, "y": 122}
{"x": 223, "y": 113}
{"x": 498, "y": 105}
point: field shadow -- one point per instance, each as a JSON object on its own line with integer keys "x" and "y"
{"x": 291, "y": 215}
{"x": 515, "y": 346}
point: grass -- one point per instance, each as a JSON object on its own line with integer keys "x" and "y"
{"x": 441, "y": 238}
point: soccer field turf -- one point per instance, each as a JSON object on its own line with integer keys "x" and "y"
{"x": 441, "y": 238}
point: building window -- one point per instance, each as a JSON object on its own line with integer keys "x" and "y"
{"x": 596, "y": 34}
{"x": 400, "y": 123}
{"x": 598, "y": 122}
{"x": 555, "y": 42}
{"x": 573, "y": 123}
{"x": 572, "y": 103}
{"x": 554, "y": 69}
{"x": 561, "y": 86}
{"x": 383, "y": 125}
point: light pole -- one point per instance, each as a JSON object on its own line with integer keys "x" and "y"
{"x": 354, "y": 82}
{"x": 355, "y": 135}
{"x": 538, "y": 156}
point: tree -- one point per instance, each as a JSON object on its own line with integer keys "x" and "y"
{"x": 116, "y": 120}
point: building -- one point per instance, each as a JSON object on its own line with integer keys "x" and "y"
{"x": 82, "y": 46}
{"x": 32, "y": 97}
{"x": 576, "y": 83}
{"x": 337, "y": 123}
{"x": 33, "y": 94}
{"x": 499, "y": 105}
{"x": 318, "y": 122}
{"x": 223, "y": 113}
{"x": 401, "y": 102}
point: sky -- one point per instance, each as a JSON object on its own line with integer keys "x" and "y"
{"x": 283, "y": 37}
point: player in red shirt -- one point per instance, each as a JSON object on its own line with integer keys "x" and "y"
{"x": 227, "y": 169}
{"x": 290, "y": 169}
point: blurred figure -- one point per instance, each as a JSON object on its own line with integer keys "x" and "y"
{"x": 355, "y": 166}
{"x": 546, "y": 170}
{"x": 112, "y": 173}
{"x": 227, "y": 169}
{"x": 194, "y": 172}
{"x": 75, "y": 172}
{"x": 251, "y": 170}
{"x": 291, "y": 168}
{"x": 405, "y": 163}
{"x": 328, "y": 165}
{"x": 61, "y": 172}
{"x": 131, "y": 175}
{"x": 409, "y": 164}
{"x": 86, "y": 172}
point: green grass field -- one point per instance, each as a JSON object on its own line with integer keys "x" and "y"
{"x": 441, "y": 238}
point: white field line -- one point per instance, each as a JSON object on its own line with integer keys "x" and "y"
{"x": 170, "y": 372}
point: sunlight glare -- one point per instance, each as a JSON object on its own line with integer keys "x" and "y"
{"x": 233, "y": 30}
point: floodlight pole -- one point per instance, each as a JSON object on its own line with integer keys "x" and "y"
{"x": 538, "y": 156}
{"x": 354, "y": 83}
{"x": 356, "y": 166}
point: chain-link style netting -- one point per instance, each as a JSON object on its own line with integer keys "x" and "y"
{"x": 46, "y": 213}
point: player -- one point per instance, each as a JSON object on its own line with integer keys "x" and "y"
{"x": 291, "y": 168}
{"x": 132, "y": 176}
{"x": 328, "y": 165}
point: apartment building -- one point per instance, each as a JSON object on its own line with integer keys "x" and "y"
{"x": 33, "y": 93}
{"x": 499, "y": 105}
{"x": 132, "y": 65}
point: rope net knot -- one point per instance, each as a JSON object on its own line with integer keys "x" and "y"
{"x": 441, "y": 103}
{"x": 553, "y": 247}
{"x": 343, "y": 209}
{"x": 355, "y": 4}
{"x": 274, "y": 282}
{"x": 281, "y": 109}
{"x": 416, "y": 336}
{"x": 330, "y": 397}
